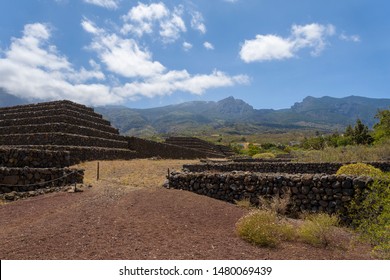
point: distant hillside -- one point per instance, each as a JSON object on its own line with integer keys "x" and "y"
{"x": 234, "y": 116}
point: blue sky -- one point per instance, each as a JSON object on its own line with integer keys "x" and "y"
{"x": 270, "y": 53}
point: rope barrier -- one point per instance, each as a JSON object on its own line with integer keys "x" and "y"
{"x": 42, "y": 183}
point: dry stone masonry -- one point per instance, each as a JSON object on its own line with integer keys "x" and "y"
{"x": 17, "y": 157}
{"x": 309, "y": 192}
{"x": 276, "y": 167}
{"x": 217, "y": 151}
{"x": 148, "y": 149}
{"x": 313, "y": 187}
{"x": 62, "y": 126}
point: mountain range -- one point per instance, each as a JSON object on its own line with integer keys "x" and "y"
{"x": 234, "y": 116}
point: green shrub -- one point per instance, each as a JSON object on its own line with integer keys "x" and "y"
{"x": 264, "y": 228}
{"x": 317, "y": 229}
{"x": 345, "y": 154}
{"x": 252, "y": 149}
{"x": 264, "y": 156}
{"x": 360, "y": 169}
{"x": 370, "y": 213}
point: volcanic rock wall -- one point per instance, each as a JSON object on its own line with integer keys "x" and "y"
{"x": 309, "y": 192}
{"x": 277, "y": 167}
{"x": 12, "y": 157}
{"x": 146, "y": 148}
{"x": 62, "y": 126}
{"x": 217, "y": 151}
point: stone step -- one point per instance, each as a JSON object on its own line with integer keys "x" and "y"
{"x": 40, "y": 106}
{"x": 62, "y": 139}
{"x": 60, "y": 127}
{"x": 37, "y": 158}
{"x": 29, "y": 179}
{"x": 80, "y": 154}
{"x": 58, "y": 118}
{"x": 53, "y": 112}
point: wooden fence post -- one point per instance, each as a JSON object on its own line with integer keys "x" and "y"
{"x": 97, "y": 171}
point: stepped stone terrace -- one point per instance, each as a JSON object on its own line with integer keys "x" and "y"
{"x": 62, "y": 126}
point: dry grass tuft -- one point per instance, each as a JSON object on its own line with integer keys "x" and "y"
{"x": 317, "y": 229}
{"x": 264, "y": 228}
{"x": 244, "y": 203}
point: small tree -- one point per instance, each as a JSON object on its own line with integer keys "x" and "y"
{"x": 361, "y": 134}
{"x": 349, "y": 131}
{"x": 382, "y": 128}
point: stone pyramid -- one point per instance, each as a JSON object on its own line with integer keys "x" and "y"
{"x": 62, "y": 126}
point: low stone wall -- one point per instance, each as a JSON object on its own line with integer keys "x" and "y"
{"x": 277, "y": 167}
{"x": 61, "y": 139}
{"x": 30, "y": 179}
{"x": 59, "y": 127}
{"x": 146, "y": 148}
{"x": 80, "y": 154}
{"x": 197, "y": 144}
{"x": 58, "y": 119}
{"x": 53, "y": 112}
{"x": 309, "y": 192}
{"x": 261, "y": 159}
{"x": 13, "y": 157}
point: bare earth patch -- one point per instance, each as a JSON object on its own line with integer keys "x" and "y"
{"x": 128, "y": 215}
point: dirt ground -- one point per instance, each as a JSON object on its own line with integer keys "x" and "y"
{"x": 127, "y": 214}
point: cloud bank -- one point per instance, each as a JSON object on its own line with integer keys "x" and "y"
{"x": 33, "y": 68}
{"x": 273, "y": 47}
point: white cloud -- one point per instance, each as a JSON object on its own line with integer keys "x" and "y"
{"x": 311, "y": 36}
{"x": 90, "y": 27}
{"x": 350, "y": 38}
{"x": 140, "y": 19}
{"x": 266, "y": 47}
{"x": 33, "y": 68}
{"x": 187, "y": 46}
{"x": 208, "y": 45}
{"x": 109, "y": 4}
{"x": 172, "y": 28}
{"x": 197, "y": 22}
{"x": 124, "y": 57}
{"x": 180, "y": 81}
{"x": 273, "y": 47}
{"x": 144, "y": 19}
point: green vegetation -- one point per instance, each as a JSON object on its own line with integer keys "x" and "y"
{"x": 264, "y": 156}
{"x": 376, "y": 152}
{"x": 266, "y": 150}
{"x": 268, "y": 226}
{"x": 358, "y": 135}
{"x": 317, "y": 229}
{"x": 264, "y": 228}
{"x": 360, "y": 169}
{"x": 370, "y": 208}
{"x": 382, "y": 128}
